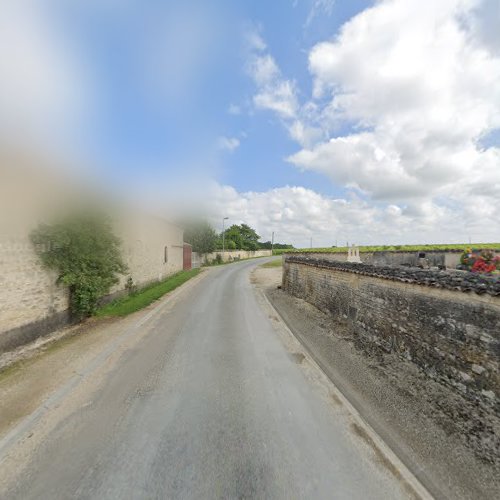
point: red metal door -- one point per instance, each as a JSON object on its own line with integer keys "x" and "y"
{"x": 187, "y": 253}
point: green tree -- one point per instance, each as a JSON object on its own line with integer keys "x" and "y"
{"x": 249, "y": 237}
{"x": 267, "y": 245}
{"x": 243, "y": 237}
{"x": 230, "y": 245}
{"x": 282, "y": 246}
{"x": 86, "y": 255}
{"x": 202, "y": 236}
{"x": 233, "y": 237}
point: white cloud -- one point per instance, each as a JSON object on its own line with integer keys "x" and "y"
{"x": 277, "y": 94}
{"x": 424, "y": 88}
{"x": 227, "y": 143}
{"x": 303, "y": 134}
{"x": 279, "y": 98}
{"x": 264, "y": 70}
{"x": 401, "y": 100}
{"x": 296, "y": 214}
{"x": 274, "y": 93}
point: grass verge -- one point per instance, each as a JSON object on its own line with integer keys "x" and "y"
{"x": 145, "y": 296}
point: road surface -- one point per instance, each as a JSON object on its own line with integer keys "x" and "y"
{"x": 209, "y": 403}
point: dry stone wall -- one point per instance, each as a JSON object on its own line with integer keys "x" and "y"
{"x": 446, "y": 323}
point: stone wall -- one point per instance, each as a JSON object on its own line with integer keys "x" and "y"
{"x": 439, "y": 258}
{"x": 446, "y": 323}
{"x": 229, "y": 256}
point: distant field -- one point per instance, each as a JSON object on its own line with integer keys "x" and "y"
{"x": 395, "y": 248}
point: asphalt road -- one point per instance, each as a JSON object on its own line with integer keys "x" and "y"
{"x": 209, "y": 404}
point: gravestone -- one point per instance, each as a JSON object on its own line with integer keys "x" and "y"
{"x": 353, "y": 254}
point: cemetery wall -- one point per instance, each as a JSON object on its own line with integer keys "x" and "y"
{"x": 448, "y": 259}
{"x": 447, "y": 323}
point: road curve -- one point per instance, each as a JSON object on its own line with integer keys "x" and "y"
{"x": 209, "y": 404}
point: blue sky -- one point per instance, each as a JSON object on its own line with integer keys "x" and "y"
{"x": 373, "y": 122}
{"x": 133, "y": 132}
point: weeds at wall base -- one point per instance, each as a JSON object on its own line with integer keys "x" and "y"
{"x": 145, "y": 296}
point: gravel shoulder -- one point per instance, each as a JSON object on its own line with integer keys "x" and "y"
{"x": 451, "y": 445}
{"x": 31, "y": 373}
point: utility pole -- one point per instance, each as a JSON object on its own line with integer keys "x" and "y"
{"x": 311, "y": 242}
{"x": 223, "y": 236}
{"x": 272, "y": 243}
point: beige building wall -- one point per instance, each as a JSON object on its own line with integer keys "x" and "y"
{"x": 28, "y": 293}
{"x": 31, "y": 302}
{"x": 152, "y": 248}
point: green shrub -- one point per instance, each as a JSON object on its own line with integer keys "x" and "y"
{"x": 85, "y": 253}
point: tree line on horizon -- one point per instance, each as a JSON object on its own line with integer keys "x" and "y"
{"x": 204, "y": 239}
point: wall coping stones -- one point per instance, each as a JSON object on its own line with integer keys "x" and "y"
{"x": 450, "y": 280}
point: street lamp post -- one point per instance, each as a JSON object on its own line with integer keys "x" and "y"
{"x": 223, "y": 236}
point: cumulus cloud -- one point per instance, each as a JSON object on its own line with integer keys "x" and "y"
{"x": 413, "y": 88}
{"x": 422, "y": 89}
{"x": 297, "y": 214}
